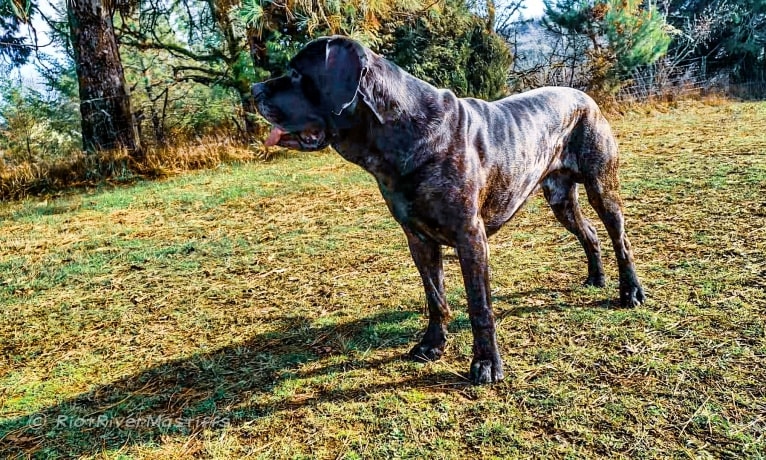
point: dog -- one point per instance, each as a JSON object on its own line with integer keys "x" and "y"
{"x": 454, "y": 170}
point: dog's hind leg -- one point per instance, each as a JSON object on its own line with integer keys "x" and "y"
{"x": 560, "y": 191}
{"x": 606, "y": 201}
{"x": 599, "y": 164}
{"x": 428, "y": 259}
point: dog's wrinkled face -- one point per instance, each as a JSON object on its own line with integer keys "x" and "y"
{"x": 318, "y": 93}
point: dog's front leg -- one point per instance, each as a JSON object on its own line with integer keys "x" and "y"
{"x": 428, "y": 258}
{"x": 486, "y": 367}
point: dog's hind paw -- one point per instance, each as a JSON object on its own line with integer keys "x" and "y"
{"x": 486, "y": 371}
{"x": 631, "y": 295}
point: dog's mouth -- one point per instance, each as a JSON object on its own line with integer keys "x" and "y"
{"x": 308, "y": 139}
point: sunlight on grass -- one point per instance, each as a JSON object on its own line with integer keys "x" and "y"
{"x": 261, "y": 310}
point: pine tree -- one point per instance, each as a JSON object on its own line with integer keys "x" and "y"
{"x": 14, "y": 48}
{"x": 638, "y": 34}
{"x": 615, "y": 36}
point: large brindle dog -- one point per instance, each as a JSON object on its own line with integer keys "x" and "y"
{"x": 453, "y": 171}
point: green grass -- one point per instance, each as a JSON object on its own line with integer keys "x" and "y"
{"x": 261, "y": 311}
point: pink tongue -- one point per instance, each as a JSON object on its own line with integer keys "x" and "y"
{"x": 274, "y": 136}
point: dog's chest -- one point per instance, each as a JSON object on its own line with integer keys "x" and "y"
{"x": 420, "y": 212}
{"x": 416, "y": 193}
{"x": 398, "y": 201}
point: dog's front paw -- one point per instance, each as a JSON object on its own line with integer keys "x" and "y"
{"x": 426, "y": 351}
{"x": 631, "y": 294}
{"x": 486, "y": 371}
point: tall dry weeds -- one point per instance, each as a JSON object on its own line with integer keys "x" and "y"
{"x": 80, "y": 169}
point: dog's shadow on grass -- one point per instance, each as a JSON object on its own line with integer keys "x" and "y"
{"x": 215, "y": 390}
{"x": 225, "y": 387}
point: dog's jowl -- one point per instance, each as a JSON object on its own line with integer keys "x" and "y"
{"x": 452, "y": 171}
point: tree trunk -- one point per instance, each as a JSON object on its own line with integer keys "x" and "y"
{"x": 158, "y": 125}
{"x": 107, "y": 121}
{"x": 491, "y": 15}
{"x": 249, "y": 112}
{"x": 256, "y": 42}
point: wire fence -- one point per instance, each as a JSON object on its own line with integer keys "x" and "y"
{"x": 667, "y": 79}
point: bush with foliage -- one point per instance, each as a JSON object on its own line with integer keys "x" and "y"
{"x": 36, "y": 125}
{"x": 453, "y": 48}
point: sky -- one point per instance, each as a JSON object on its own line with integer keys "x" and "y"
{"x": 27, "y": 72}
{"x": 533, "y": 8}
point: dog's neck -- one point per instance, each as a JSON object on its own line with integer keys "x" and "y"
{"x": 401, "y": 122}
{"x": 398, "y": 96}
{"x": 390, "y": 91}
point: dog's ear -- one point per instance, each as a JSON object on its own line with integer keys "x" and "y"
{"x": 345, "y": 68}
{"x": 368, "y": 99}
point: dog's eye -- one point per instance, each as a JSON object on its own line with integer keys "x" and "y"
{"x": 294, "y": 75}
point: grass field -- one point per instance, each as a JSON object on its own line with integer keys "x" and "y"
{"x": 261, "y": 311}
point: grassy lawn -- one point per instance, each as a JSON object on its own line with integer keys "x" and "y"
{"x": 261, "y": 311}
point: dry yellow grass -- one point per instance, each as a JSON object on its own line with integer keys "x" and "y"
{"x": 83, "y": 170}
{"x": 260, "y": 310}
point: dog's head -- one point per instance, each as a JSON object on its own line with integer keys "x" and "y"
{"x": 318, "y": 95}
